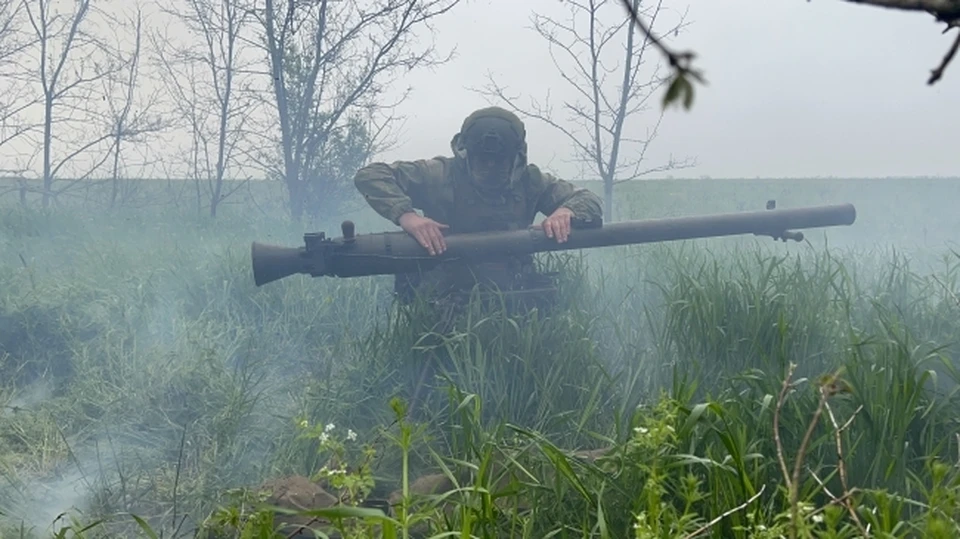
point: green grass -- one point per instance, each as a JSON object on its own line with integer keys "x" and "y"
{"x": 737, "y": 387}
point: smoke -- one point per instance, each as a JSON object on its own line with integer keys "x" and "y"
{"x": 28, "y": 397}
{"x": 47, "y": 505}
{"x": 168, "y": 338}
{"x": 161, "y": 343}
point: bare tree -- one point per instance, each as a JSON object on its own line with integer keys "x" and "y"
{"x": 209, "y": 79}
{"x": 605, "y": 99}
{"x": 130, "y": 115}
{"x": 12, "y": 39}
{"x": 346, "y": 51}
{"x": 68, "y": 75}
{"x": 17, "y": 94}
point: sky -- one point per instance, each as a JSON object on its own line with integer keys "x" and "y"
{"x": 795, "y": 89}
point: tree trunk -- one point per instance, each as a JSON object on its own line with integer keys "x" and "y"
{"x": 295, "y": 190}
{"x": 47, "y": 142}
{"x": 608, "y": 199}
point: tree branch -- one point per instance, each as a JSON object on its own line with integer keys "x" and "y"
{"x": 937, "y": 73}
{"x": 943, "y": 10}
{"x": 324, "y": 81}
{"x": 679, "y": 61}
{"x": 946, "y": 11}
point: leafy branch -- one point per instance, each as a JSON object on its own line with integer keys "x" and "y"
{"x": 680, "y": 88}
{"x": 680, "y": 62}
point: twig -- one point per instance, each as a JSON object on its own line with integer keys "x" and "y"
{"x": 841, "y": 499}
{"x": 844, "y": 499}
{"x": 727, "y": 513}
{"x": 794, "y": 487}
{"x": 828, "y": 387}
{"x": 946, "y": 11}
{"x": 821, "y": 483}
{"x": 776, "y": 423}
{"x": 841, "y": 466}
{"x": 678, "y": 60}
{"x": 836, "y": 432}
{"x": 937, "y": 73}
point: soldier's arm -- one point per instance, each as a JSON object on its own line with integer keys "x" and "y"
{"x": 400, "y": 187}
{"x": 553, "y": 193}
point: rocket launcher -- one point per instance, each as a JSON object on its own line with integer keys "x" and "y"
{"x": 390, "y": 253}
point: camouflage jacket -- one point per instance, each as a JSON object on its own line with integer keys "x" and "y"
{"x": 431, "y": 185}
{"x": 441, "y": 187}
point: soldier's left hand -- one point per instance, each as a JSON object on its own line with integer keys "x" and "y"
{"x": 558, "y": 224}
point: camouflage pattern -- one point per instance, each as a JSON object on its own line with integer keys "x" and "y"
{"x": 432, "y": 185}
{"x": 444, "y": 190}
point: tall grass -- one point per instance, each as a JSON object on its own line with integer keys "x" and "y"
{"x": 730, "y": 388}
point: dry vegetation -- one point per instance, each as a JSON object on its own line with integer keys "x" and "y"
{"x": 724, "y": 388}
{"x": 736, "y": 387}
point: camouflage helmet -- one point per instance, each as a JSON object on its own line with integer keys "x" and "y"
{"x": 492, "y": 130}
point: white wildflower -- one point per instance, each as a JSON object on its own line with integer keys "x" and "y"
{"x": 351, "y": 435}
{"x": 328, "y": 428}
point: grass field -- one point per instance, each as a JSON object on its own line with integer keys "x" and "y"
{"x": 734, "y": 387}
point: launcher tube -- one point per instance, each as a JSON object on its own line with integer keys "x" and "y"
{"x": 397, "y": 252}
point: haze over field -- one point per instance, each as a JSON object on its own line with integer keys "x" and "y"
{"x": 143, "y": 372}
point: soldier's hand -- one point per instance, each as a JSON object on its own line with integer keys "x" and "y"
{"x": 426, "y": 231}
{"x": 557, "y": 225}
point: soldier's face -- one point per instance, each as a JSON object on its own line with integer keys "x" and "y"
{"x": 491, "y": 168}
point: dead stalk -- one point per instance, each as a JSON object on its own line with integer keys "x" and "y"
{"x": 841, "y": 466}
{"x": 830, "y": 386}
{"x": 727, "y": 513}
{"x": 776, "y": 423}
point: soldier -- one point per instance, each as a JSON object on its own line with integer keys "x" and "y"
{"x": 487, "y": 185}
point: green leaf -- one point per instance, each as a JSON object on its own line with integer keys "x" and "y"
{"x": 688, "y": 98}
{"x": 673, "y": 91}
{"x": 680, "y": 89}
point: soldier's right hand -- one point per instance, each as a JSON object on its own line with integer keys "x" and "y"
{"x": 426, "y": 231}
